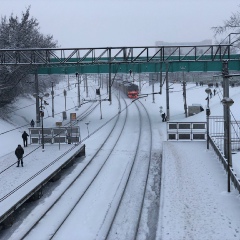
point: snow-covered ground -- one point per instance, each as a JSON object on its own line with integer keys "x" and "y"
{"x": 194, "y": 202}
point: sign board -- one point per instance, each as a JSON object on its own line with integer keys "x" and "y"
{"x": 59, "y": 124}
{"x": 73, "y": 116}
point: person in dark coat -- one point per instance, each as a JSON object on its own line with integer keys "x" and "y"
{"x": 25, "y": 138}
{"x": 19, "y": 154}
{"x": 32, "y": 123}
{"x": 163, "y": 117}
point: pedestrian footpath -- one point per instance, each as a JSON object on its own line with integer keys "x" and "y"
{"x": 194, "y": 195}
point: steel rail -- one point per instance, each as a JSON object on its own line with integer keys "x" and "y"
{"x": 75, "y": 179}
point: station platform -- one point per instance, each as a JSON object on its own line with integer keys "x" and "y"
{"x": 18, "y": 184}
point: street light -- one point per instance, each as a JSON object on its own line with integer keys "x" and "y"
{"x": 208, "y": 91}
{"x": 228, "y": 102}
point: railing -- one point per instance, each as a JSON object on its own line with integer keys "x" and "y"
{"x": 216, "y": 131}
{"x": 188, "y": 131}
{"x": 223, "y": 160}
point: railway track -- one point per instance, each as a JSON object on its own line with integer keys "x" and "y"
{"x": 131, "y": 173}
{"x": 128, "y": 216}
{"x": 77, "y": 176}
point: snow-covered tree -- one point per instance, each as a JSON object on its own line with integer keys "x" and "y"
{"x": 17, "y": 33}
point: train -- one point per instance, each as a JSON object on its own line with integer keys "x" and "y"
{"x": 128, "y": 88}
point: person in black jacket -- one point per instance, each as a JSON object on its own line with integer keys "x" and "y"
{"x": 164, "y": 117}
{"x": 19, "y": 154}
{"x": 25, "y": 138}
{"x": 32, "y": 123}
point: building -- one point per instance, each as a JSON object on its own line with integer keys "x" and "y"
{"x": 185, "y": 50}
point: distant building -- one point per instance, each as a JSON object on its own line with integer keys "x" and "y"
{"x": 206, "y": 42}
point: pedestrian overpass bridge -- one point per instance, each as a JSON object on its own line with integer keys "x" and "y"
{"x": 203, "y": 58}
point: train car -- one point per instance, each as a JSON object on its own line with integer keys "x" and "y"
{"x": 129, "y": 89}
{"x": 132, "y": 91}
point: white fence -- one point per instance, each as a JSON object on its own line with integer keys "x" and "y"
{"x": 188, "y": 131}
{"x": 54, "y": 135}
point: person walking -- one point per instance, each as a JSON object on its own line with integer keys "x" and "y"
{"x": 25, "y": 138}
{"x": 32, "y": 123}
{"x": 19, "y": 154}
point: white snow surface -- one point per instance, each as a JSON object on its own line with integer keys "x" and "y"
{"x": 194, "y": 201}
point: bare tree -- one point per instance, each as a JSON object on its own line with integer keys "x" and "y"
{"x": 231, "y": 24}
{"x": 231, "y": 27}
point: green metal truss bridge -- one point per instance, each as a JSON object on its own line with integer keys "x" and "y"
{"x": 202, "y": 58}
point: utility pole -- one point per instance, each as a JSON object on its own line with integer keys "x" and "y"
{"x": 37, "y": 100}
{"x": 109, "y": 83}
{"x": 84, "y": 82}
{"x": 225, "y": 74}
{"x": 153, "y": 95}
{"x": 139, "y": 82}
{"x": 65, "y": 96}
{"x": 86, "y": 87}
{"x": 77, "y": 78}
{"x": 167, "y": 93}
{"x": 184, "y": 94}
{"x": 52, "y": 93}
{"x": 185, "y": 98}
{"x": 160, "y": 78}
{"x": 68, "y": 83}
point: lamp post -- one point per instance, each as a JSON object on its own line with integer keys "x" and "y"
{"x": 228, "y": 102}
{"x": 208, "y": 91}
{"x": 42, "y": 114}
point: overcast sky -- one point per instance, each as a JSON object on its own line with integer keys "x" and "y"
{"x": 108, "y": 23}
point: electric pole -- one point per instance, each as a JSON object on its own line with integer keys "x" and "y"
{"x": 160, "y": 78}
{"x": 167, "y": 93}
{"x": 225, "y": 74}
{"x": 86, "y": 87}
{"x": 52, "y": 93}
{"x": 184, "y": 94}
{"x": 37, "y": 100}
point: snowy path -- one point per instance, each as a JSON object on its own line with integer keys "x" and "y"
{"x": 195, "y": 203}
